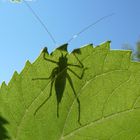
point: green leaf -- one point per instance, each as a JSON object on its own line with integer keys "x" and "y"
{"x": 108, "y": 93}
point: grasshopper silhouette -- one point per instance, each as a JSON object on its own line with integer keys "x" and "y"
{"x": 59, "y": 76}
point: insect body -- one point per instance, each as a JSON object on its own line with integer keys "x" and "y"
{"x": 58, "y": 78}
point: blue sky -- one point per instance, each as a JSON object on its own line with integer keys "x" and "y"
{"x": 22, "y": 36}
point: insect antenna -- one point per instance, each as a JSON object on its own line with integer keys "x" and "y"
{"x": 89, "y": 26}
{"x": 75, "y": 35}
{"x": 41, "y": 22}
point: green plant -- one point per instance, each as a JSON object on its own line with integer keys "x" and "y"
{"x": 108, "y": 93}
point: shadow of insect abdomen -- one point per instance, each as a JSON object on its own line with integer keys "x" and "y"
{"x": 60, "y": 81}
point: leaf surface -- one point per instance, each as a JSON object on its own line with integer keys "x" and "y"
{"x": 109, "y": 95}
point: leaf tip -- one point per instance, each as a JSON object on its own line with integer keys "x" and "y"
{"x": 15, "y": 74}
{"x": 44, "y": 50}
{"x": 105, "y": 45}
{"x": 63, "y": 47}
{"x": 3, "y": 85}
{"x": 28, "y": 63}
{"x": 78, "y": 51}
{"x": 14, "y": 77}
{"x": 109, "y": 41}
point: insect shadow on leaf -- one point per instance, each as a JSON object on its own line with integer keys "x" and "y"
{"x": 59, "y": 76}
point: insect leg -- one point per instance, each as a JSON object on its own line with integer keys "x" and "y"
{"x": 49, "y": 59}
{"x": 42, "y": 78}
{"x": 78, "y": 101}
{"x": 52, "y": 76}
{"x": 45, "y": 100}
{"x": 79, "y": 66}
{"x": 79, "y": 61}
{"x": 81, "y": 76}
